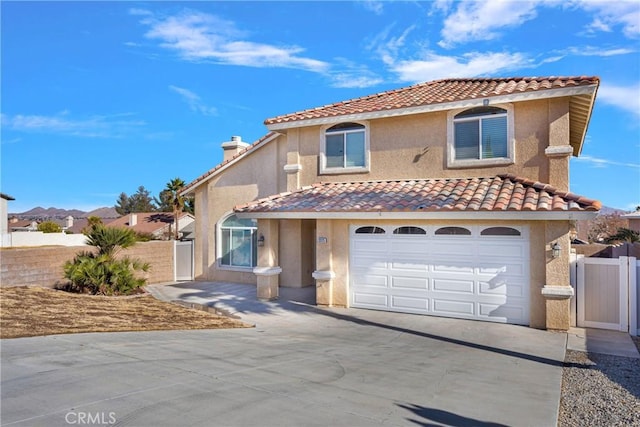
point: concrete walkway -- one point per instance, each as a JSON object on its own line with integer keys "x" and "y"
{"x": 301, "y": 365}
{"x": 601, "y": 341}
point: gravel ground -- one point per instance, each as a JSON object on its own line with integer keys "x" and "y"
{"x": 600, "y": 390}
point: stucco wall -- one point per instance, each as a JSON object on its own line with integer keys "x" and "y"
{"x": 43, "y": 266}
{"x": 254, "y": 177}
{"x": 416, "y": 147}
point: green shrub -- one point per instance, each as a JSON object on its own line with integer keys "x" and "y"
{"x": 101, "y": 273}
{"x": 49, "y": 227}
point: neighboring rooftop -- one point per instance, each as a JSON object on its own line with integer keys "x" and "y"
{"x": 500, "y": 193}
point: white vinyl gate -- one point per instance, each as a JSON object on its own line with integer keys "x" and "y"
{"x": 606, "y": 293}
{"x": 184, "y": 260}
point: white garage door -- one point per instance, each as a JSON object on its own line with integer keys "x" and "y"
{"x": 472, "y": 272}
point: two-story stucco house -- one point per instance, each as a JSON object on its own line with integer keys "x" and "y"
{"x": 447, "y": 198}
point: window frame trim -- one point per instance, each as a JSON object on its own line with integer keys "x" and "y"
{"x": 452, "y": 163}
{"x": 324, "y": 170}
{"x": 219, "y": 229}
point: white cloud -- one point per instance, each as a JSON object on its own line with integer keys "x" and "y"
{"x": 433, "y": 66}
{"x": 624, "y": 97}
{"x": 482, "y": 20}
{"x": 198, "y": 36}
{"x": 603, "y": 163}
{"x": 388, "y": 47}
{"x": 599, "y": 51}
{"x": 194, "y": 102}
{"x": 609, "y": 14}
{"x": 354, "y": 80}
{"x": 375, "y": 6}
{"x": 92, "y": 127}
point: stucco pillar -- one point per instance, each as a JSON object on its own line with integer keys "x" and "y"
{"x": 557, "y": 290}
{"x": 559, "y": 149}
{"x": 267, "y": 271}
{"x": 324, "y": 274}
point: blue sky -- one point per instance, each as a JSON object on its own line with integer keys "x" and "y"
{"x": 102, "y": 97}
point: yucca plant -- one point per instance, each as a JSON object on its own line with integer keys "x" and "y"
{"x": 101, "y": 273}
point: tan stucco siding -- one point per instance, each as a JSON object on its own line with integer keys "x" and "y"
{"x": 255, "y": 176}
{"x": 416, "y": 147}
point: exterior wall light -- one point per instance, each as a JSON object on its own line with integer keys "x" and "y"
{"x": 555, "y": 250}
{"x": 261, "y": 240}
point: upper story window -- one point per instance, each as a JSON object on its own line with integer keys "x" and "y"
{"x": 345, "y": 148}
{"x": 480, "y": 136}
{"x": 238, "y": 242}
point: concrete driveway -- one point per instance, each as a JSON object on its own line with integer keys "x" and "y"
{"x": 300, "y": 366}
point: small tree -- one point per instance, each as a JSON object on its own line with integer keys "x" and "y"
{"x": 624, "y": 235}
{"x": 140, "y": 201}
{"x": 101, "y": 272}
{"x": 177, "y": 201}
{"x": 49, "y": 227}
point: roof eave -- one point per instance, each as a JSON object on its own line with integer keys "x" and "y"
{"x": 466, "y": 103}
{"x": 190, "y": 188}
{"x": 449, "y": 215}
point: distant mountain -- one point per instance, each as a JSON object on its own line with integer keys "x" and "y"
{"x": 605, "y": 210}
{"x": 103, "y": 213}
{"x": 50, "y": 213}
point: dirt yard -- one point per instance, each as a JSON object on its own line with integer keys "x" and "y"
{"x": 34, "y": 311}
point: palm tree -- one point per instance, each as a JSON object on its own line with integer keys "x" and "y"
{"x": 177, "y": 200}
{"x": 109, "y": 240}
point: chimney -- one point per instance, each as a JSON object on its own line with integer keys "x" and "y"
{"x": 133, "y": 220}
{"x": 233, "y": 147}
{"x": 69, "y": 221}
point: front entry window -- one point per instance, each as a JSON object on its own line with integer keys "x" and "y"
{"x": 238, "y": 241}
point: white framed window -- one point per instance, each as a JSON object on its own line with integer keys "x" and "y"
{"x": 345, "y": 148}
{"x": 480, "y": 136}
{"x": 238, "y": 243}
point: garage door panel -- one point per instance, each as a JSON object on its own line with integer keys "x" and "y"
{"x": 501, "y": 250}
{"x": 511, "y": 288}
{"x": 451, "y": 307}
{"x": 452, "y": 267}
{"x": 369, "y": 262}
{"x": 409, "y": 303}
{"x": 448, "y": 247}
{"x": 409, "y": 283}
{"x": 416, "y": 266}
{"x": 507, "y": 270}
{"x": 458, "y": 286}
{"x": 409, "y": 246}
{"x": 371, "y": 300}
{"x": 371, "y": 280}
{"x": 370, "y": 245}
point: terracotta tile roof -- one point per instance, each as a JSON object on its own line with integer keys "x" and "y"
{"x": 500, "y": 193}
{"x": 215, "y": 169}
{"x": 436, "y": 92}
{"x": 146, "y": 222}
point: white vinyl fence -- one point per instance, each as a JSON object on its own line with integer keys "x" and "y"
{"x": 607, "y": 295}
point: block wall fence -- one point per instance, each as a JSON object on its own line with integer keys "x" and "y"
{"x": 43, "y": 266}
